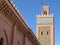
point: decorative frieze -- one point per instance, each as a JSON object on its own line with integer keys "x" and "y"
{"x": 7, "y": 12}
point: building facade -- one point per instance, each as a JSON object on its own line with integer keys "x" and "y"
{"x": 45, "y": 27}
{"x": 13, "y": 28}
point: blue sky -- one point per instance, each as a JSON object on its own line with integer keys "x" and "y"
{"x": 29, "y": 9}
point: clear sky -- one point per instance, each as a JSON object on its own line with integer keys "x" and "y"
{"x": 29, "y": 9}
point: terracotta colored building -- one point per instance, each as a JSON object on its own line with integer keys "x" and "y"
{"x": 45, "y": 27}
{"x": 13, "y": 28}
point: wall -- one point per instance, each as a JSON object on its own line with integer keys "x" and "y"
{"x": 5, "y": 30}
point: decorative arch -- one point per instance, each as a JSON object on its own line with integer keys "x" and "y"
{"x": 4, "y": 31}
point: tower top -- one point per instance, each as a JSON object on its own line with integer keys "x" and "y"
{"x": 45, "y": 10}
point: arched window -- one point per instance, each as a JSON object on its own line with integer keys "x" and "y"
{"x": 1, "y": 41}
{"x": 18, "y": 43}
{"x": 41, "y": 33}
{"x": 44, "y": 13}
{"x": 47, "y": 32}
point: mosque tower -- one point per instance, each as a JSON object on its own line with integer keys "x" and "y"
{"x": 45, "y": 27}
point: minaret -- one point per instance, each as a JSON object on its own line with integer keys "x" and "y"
{"x": 45, "y": 27}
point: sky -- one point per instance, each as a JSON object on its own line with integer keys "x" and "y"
{"x": 30, "y": 8}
